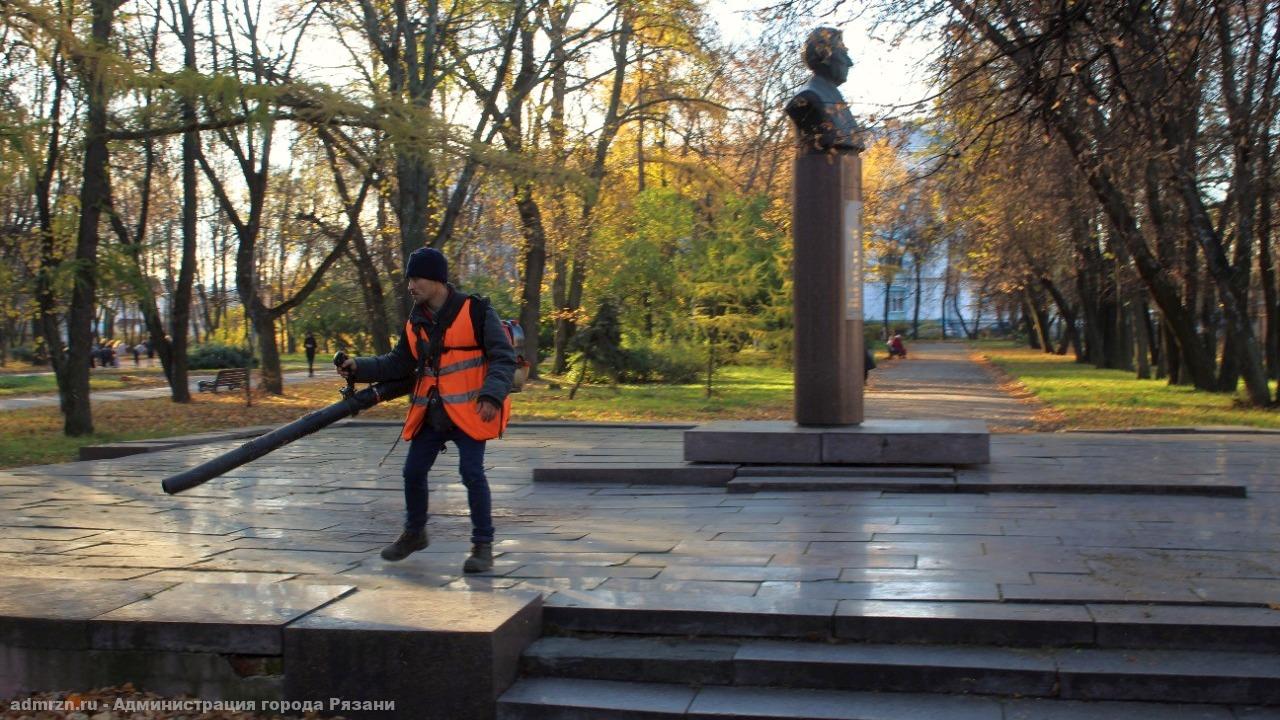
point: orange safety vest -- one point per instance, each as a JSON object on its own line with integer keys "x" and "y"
{"x": 462, "y": 370}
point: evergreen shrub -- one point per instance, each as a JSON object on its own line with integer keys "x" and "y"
{"x": 215, "y": 356}
{"x": 671, "y": 364}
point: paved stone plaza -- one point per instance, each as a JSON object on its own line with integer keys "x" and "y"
{"x": 309, "y": 519}
{"x": 317, "y": 512}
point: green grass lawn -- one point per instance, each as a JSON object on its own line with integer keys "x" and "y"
{"x": 34, "y": 436}
{"x": 1079, "y": 395}
{"x": 739, "y": 393}
{"x": 1089, "y": 398}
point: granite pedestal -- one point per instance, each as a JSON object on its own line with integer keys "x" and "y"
{"x": 433, "y": 653}
{"x": 874, "y": 442}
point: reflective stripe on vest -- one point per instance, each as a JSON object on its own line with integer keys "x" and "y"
{"x": 462, "y": 371}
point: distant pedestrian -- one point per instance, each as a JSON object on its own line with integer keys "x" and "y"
{"x": 310, "y": 346}
{"x": 896, "y": 347}
{"x": 868, "y": 364}
{"x": 137, "y": 354}
{"x": 151, "y": 352}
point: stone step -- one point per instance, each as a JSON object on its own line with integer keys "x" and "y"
{"x": 879, "y": 471}
{"x": 872, "y": 442}
{"x": 1105, "y": 625}
{"x": 630, "y": 472}
{"x": 573, "y": 699}
{"x": 874, "y": 478}
{"x": 1065, "y": 673}
{"x": 817, "y": 483}
{"x": 809, "y": 482}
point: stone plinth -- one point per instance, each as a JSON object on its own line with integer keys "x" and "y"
{"x": 827, "y": 270}
{"x": 434, "y": 653}
{"x": 874, "y": 442}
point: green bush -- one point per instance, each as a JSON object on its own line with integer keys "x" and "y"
{"x": 670, "y": 364}
{"x": 22, "y": 353}
{"x": 215, "y": 356}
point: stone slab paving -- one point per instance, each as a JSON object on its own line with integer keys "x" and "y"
{"x": 316, "y": 512}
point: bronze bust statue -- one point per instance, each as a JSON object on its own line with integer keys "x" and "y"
{"x": 821, "y": 116}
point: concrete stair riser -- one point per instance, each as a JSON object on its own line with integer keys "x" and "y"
{"x": 954, "y": 623}
{"x": 1153, "y": 676}
{"x": 573, "y": 699}
{"x": 869, "y": 478}
{"x": 881, "y": 471}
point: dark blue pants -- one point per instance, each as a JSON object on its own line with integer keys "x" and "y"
{"x": 423, "y": 449}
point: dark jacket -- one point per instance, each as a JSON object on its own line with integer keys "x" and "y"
{"x": 399, "y": 363}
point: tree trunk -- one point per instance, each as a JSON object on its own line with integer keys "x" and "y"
{"x": 964, "y": 326}
{"x": 566, "y": 324}
{"x": 1142, "y": 354}
{"x": 1270, "y": 296}
{"x": 1071, "y": 335}
{"x": 264, "y": 327}
{"x": 375, "y": 299}
{"x": 885, "y": 330}
{"x": 565, "y": 320}
{"x": 1039, "y": 320}
{"x": 93, "y": 200}
{"x": 560, "y": 298}
{"x": 1209, "y": 326}
{"x": 1266, "y": 259}
{"x": 979, "y": 303}
{"x": 535, "y": 265}
{"x": 180, "y": 310}
{"x": 1029, "y": 326}
{"x": 1229, "y": 370}
{"x": 946, "y": 290}
{"x": 915, "y": 316}
{"x": 414, "y": 179}
{"x": 1153, "y": 336}
{"x": 1091, "y": 317}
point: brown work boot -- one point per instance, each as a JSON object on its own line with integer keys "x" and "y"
{"x": 481, "y": 559}
{"x": 405, "y": 545}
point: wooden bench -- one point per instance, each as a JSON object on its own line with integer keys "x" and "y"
{"x": 231, "y": 379}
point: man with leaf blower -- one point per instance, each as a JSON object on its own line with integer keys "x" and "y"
{"x": 456, "y": 347}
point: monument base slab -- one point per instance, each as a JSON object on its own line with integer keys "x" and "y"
{"x": 432, "y": 653}
{"x": 873, "y": 442}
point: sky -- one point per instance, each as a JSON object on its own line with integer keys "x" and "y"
{"x": 882, "y": 76}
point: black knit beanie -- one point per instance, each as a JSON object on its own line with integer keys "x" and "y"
{"x": 427, "y": 263}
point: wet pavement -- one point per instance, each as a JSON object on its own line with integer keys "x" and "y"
{"x": 317, "y": 512}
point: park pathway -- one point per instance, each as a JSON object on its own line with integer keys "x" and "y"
{"x": 51, "y": 399}
{"x": 943, "y": 382}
